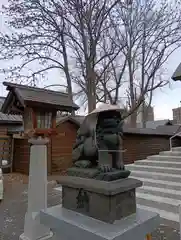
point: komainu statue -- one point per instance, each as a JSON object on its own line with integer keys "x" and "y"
{"x": 97, "y": 152}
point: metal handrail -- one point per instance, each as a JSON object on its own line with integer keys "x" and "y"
{"x": 106, "y": 150}
{"x": 175, "y": 135}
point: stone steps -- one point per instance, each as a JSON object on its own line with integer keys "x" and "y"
{"x": 154, "y": 169}
{"x": 163, "y": 214}
{"x": 160, "y": 183}
{"x": 164, "y": 158}
{"x": 176, "y": 149}
{"x": 156, "y": 175}
{"x": 158, "y": 163}
{"x": 162, "y": 203}
{"x": 170, "y": 153}
{"x": 162, "y": 192}
{"x": 161, "y": 177}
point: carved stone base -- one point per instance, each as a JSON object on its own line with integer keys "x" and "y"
{"x": 105, "y": 201}
{"x": 82, "y": 172}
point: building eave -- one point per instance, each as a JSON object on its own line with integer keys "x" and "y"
{"x": 177, "y": 74}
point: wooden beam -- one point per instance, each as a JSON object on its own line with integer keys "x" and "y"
{"x": 19, "y": 97}
{"x": 14, "y": 109}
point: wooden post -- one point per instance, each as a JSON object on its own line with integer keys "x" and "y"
{"x": 12, "y": 153}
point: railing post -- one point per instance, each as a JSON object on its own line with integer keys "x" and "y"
{"x": 171, "y": 143}
{"x": 176, "y": 134}
{"x": 180, "y": 219}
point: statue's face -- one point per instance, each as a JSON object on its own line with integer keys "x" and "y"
{"x": 110, "y": 114}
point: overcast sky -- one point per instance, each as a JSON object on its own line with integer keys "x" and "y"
{"x": 164, "y": 100}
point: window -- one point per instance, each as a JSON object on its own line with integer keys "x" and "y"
{"x": 44, "y": 119}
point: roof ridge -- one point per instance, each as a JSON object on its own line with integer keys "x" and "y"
{"x": 22, "y": 86}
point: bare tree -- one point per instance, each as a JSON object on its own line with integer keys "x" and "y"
{"x": 89, "y": 34}
{"x": 150, "y": 31}
{"x": 36, "y": 40}
{"x": 60, "y": 34}
{"x": 112, "y": 50}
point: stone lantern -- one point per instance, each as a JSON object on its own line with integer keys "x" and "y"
{"x": 39, "y": 122}
{"x": 38, "y": 108}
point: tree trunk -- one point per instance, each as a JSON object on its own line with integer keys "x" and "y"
{"x": 67, "y": 73}
{"x": 133, "y": 118}
{"x": 91, "y": 89}
{"x": 144, "y": 116}
{"x": 69, "y": 83}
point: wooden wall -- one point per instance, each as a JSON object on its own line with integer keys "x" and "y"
{"x": 5, "y": 146}
{"x": 21, "y": 156}
{"x": 137, "y": 146}
{"x": 59, "y": 152}
{"x": 61, "y": 147}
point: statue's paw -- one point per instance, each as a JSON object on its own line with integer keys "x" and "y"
{"x": 121, "y": 168}
{"x": 83, "y": 164}
{"x": 105, "y": 168}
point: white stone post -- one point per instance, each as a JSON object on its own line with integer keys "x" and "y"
{"x": 37, "y": 190}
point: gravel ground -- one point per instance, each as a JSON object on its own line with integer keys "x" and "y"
{"x": 14, "y": 205}
{"x": 13, "y": 209}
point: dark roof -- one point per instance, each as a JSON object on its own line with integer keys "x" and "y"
{"x": 166, "y": 131}
{"x": 10, "y": 119}
{"x": 27, "y": 95}
{"x": 61, "y": 119}
{"x": 159, "y": 131}
{"x": 76, "y": 119}
{"x": 156, "y": 123}
{"x": 79, "y": 119}
{"x": 172, "y": 129}
{"x": 2, "y": 101}
{"x": 177, "y": 74}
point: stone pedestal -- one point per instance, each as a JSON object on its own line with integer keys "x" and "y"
{"x": 105, "y": 201}
{"x": 37, "y": 191}
{"x": 70, "y": 225}
{"x": 98, "y": 210}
